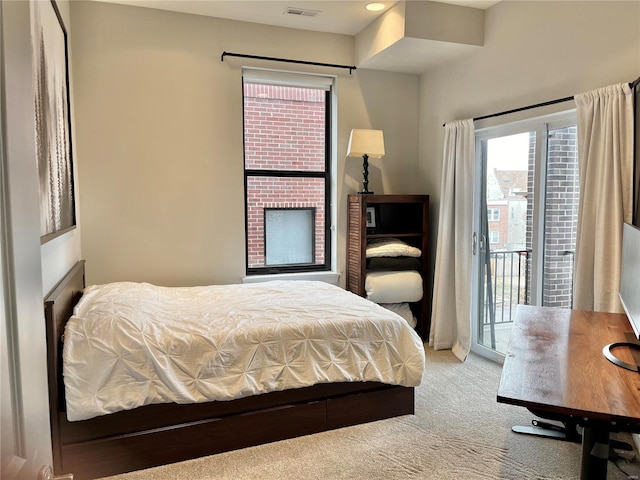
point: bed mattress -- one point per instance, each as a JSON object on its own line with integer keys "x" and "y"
{"x": 132, "y": 344}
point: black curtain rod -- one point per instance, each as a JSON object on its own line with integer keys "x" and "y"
{"x": 274, "y": 59}
{"x": 528, "y": 107}
{"x": 544, "y": 104}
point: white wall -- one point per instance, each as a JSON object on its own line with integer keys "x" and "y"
{"x": 534, "y": 52}
{"x": 159, "y": 137}
{"x": 159, "y": 127}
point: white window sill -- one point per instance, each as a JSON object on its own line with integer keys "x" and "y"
{"x": 329, "y": 277}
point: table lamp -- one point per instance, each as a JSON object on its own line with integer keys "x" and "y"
{"x": 365, "y": 144}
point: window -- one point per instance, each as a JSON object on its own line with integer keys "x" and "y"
{"x": 287, "y": 133}
{"x": 289, "y": 236}
{"x": 494, "y": 237}
{"x": 493, "y": 214}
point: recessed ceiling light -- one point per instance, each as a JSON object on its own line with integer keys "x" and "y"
{"x": 374, "y": 7}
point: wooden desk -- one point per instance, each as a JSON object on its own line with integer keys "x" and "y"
{"x": 554, "y": 364}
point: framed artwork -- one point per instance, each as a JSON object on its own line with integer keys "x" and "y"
{"x": 52, "y": 121}
{"x": 371, "y": 217}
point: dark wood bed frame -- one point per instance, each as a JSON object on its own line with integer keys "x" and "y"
{"x": 159, "y": 434}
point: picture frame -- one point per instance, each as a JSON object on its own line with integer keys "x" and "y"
{"x": 54, "y": 153}
{"x": 371, "y": 217}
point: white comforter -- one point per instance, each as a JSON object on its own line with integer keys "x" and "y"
{"x": 133, "y": 344}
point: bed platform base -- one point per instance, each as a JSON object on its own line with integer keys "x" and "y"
{"x": 160, "y": 434}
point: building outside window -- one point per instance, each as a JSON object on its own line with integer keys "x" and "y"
{"x": 493, "y": 214}
{"x": 287, "y": 132}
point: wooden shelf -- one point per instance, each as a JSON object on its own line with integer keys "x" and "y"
{"x": 393, "y": 235}
{"x": 396, "y": 216}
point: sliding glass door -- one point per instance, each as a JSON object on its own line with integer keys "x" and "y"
{"x": 525, "y": 223}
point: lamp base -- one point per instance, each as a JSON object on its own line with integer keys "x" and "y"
{"x": 365, "y": 175}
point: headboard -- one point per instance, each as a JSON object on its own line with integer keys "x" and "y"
{"x": 58, "y": 308}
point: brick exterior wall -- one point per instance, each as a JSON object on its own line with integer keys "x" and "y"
{"x": 530, "y": 201}
{"x": 561, "y": 220}
{"x": 562, "y": 193}
{"x": 284, "y": 129}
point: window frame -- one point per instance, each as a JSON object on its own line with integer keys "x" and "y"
{"x": 327, "y": 175}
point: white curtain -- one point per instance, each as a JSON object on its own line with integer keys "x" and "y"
{"x": 451, "y": 312}
{"x": 605, "y": 159}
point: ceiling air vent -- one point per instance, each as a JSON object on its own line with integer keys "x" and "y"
{"x": 301, "y": 12}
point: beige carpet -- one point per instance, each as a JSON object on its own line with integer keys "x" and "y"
{"x": 459, "y": 432}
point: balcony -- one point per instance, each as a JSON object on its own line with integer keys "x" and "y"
{"x": 505, "y": 286}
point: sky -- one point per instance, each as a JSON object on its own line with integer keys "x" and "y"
{"x": 508, "y": 153}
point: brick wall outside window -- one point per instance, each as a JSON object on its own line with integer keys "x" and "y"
{"x": 530, "y": 200}
{"x": 561, "y": 204}
{"x": 284, "y": 130}
{"x": 269, "y": 192}
{"x": 561, "y": 219}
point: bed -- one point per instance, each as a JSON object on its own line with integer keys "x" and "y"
{"x": 161, "y": 433}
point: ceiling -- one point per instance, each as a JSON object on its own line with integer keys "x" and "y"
{"x": 334, "y": 16}
{"x": 346, "y": 17}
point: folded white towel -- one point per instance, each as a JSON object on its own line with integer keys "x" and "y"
{"x": 393, "y": 287}
{"x": 391, "y": 247}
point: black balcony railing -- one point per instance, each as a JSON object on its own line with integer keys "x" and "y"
{"x": 506, "y": 284}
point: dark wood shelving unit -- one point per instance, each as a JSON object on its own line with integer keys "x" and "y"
{"x": 405, "y": 217}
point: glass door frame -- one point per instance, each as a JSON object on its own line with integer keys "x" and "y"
{"x": 541, "y": 125}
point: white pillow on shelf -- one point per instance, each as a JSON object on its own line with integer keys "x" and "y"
{"x": 391, "y": 247}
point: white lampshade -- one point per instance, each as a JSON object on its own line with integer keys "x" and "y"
{"x": 366, "y": 142}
